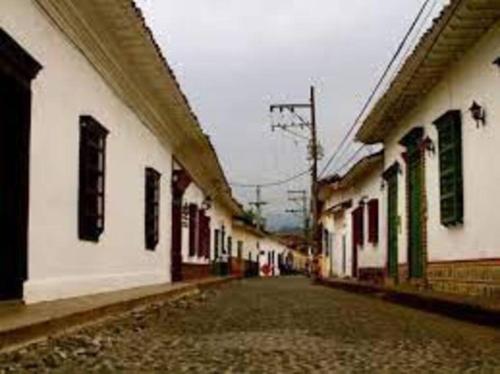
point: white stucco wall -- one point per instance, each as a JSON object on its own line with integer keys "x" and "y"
{"x": 251, "y": 242}
{"x": 192, "y": 195}
{"x": 219, "y": 217}
{"x": 473, "y": 77}
{"x": 340, "y": 224}
{"x": 373, "y": 255}
{"x": 329, "y": 263}
{"x": 271, "y": 245}
{"x": 60, "y": 265}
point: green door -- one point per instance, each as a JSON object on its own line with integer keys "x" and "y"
{"x": 414, "y": 180}
{"x": 392, "y": 220}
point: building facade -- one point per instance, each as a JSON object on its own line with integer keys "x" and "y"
{"x": 248, "y": 241}
{"x": 438, "y": 123}
{"x": 352, "y": 234}
{"x": 93, "y": 133}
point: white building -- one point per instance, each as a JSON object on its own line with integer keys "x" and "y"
{"x": 351, "y": 216}
{"x": 438, "y": 122}
{"x": 248, "y": 241}
{"x": 93, "y": 122}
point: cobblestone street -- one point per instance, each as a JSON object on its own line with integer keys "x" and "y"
{"x": 269, "y": 326}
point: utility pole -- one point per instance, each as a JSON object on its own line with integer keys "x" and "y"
{"x": 314, "y": 153}
{"x": 300, "y": 197}
{"x": 258, "y": 203}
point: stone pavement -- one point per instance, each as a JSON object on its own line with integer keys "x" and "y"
{"x": 283, "y": 325}
{"x": 24, "y": 323}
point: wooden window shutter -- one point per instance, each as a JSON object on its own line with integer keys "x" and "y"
{"x": 92, "y": 172}
{"x": 240, "y": 250}
{"x": 216, "y": 243}
{"x": 193, "y": 218}
{"x": 201, "y": 234}
{"x": 230, "y": 246}
{"x": 207, "y": 237}
{"x": 373, "y": 225}
{"x": 361, "y": 224}
{"x": 326, "y": 238}
{"x": 357, "y": 226}
{"x": 449, "y": 128}
{"x": 152, "y": 208}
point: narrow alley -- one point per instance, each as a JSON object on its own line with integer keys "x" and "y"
{"x": 268, "y": 326}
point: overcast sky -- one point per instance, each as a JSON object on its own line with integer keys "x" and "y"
{"x": 234, "y": 58}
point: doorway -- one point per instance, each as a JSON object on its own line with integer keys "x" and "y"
{"x": 17, "y": 70}
{"x": 180, "y": 182}
{"x": 391, "y": 178}
{"x": 414, "y": 187}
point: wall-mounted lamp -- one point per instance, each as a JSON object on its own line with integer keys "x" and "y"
{"x": 478, "y": 114}
{"x": 382, "y": 185}
{"x": 363, "y": 200}
{"x": 207, "y": 203}
{"x": 428, "y": 145}
{"x": 185, "y": 215}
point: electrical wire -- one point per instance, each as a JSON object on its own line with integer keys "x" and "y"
{"x": 413, "y": 42}
{"x": 402, "y": 60}
{"x": 271, "y": 184}
{"x": 376, "y": 88}
{"x": 350, "y": 159}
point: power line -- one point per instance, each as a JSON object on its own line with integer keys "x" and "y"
{"x": 351, "y": 158}
{"x": 272, "y": 184}
{"x": 258, "y": 203}
{"x": 375, "y": 90}
{"x": 413, "y": 42}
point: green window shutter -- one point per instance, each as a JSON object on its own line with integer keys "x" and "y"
{"x": 449, "y": 128}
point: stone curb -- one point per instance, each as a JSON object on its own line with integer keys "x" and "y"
{"x": 40, "y": 330}
{"x": 430, "y": 302}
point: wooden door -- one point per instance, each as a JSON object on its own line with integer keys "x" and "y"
{"x": 180, "y": 182}
{"x": 14, "y": 120}
{"x": 354, "y": 242}
{"x": 17, "y": 70}
{"x": 176, "y": 259}
{"x": 392, "y": 226}
{"x": 344, "y": 254}
{"x": 414, "y": 180}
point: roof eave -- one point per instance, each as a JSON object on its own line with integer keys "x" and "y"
{"x": 461, "y": 24}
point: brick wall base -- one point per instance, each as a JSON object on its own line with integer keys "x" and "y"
{"x": 237, "y": 267}
{"x": 251, "y": 269}
{"x": 372, "y": 275}
{"x": 195, "y": 271}
{"x": 474, "y": 277}
{"x": 403, "y": 271}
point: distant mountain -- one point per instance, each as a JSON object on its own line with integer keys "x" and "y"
{"x": 282, "y": 222}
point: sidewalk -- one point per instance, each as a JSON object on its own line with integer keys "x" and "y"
{"x": 471, "y": 309}
{"x": 20, "y": 324}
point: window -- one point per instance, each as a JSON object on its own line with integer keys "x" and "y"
{"x": 193, "y": 230}
{"x": 373, "y": 221}
{"x": 202, "y": 235}
{"x": 92, "y": 176}
{"x": 152, "y": 209}
{"x": 222, "y": 239}
{"x": 326, "y": 242}
{"x": 230, "y": 246}
{"x": 240, "y": 249}
{"x": 449, "y": 128}
{"x": 358, "y": 226}
{"x": 205, "y": 237}
{"x": 216, "y": 243}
